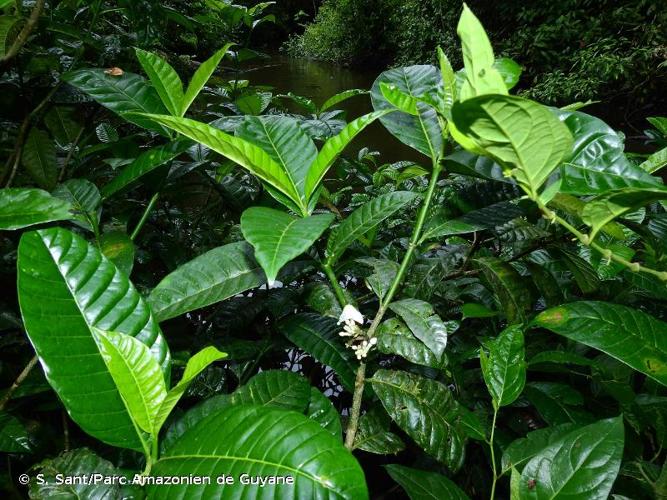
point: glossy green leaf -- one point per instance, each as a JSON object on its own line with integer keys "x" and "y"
{"x": 425, "y": 410}
{"x": 251, "y": 157}
{"x": 85, "y": 200}
{"x": 164, "y": 78}
{"x": 137, "y": 375}
{"x": 334, "y": 147}
{"x": 448, "y": 94}
{"x": 421, "y": 132}
{"x": 63, "y": 125}
{"x": 424, "y": 324}
{"x": 340, "y": 97}
{"x": 196, "y": 364}
{"x": 128, "y": 93}
{"x": 384, "y": 273}
{"x": 201, "y": 76}
{"x": 66, "y": 288}
{"x": 318, "y": 336}
{"x": 523, "y": 136}
{"x": 557, "y": 403}
{"x": 504, "y": 368}
{"x": 119, "y": 249}
{"x": 399, "y": 99}
{"x": 424, "y": 485}
{"x": 655, "y": 162}
{"x": 583, "y": 464}
{"x": 14, "y": 437}
{"x": 212, "y": 277}
{"x": 508, "y": 286}
{"x": 521, "y": 450}
{"x": 261, "y": 441}
{"x": 39, "y": 159}
{"x": 321, "y": 410}
{"x": 302, "y": 101}
{"x": 509, "y": 69}
{"x": 279, "y": 237}
{"x": 627, "y": 334}
{"x": 23, "y": 207}
{"x": 394, "y": 337}
{"x": 584, "y": 274}
{"x": 144, "y": 163}
{"x": 374, "y": 436}
{"x": 481, "y": 76}
{"x": 363, "y": 219}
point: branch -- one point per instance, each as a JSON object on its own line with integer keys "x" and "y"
{"x": 22, "y": 37}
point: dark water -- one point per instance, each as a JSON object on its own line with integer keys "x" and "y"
{"x": 319, "y": 81}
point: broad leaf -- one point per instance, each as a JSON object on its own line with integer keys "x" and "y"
{"x": 421, "y": 132}
{"x": 212, "y": 277}
{"x": 374, "y": 436}
{"x": 557, "y": 403}
{"x": 23, "y": 207}
{"x": 14, "y": 437}
{"x": 164, "y": 78}
{"x": 509, "y": 287}
{"x": 399, "y": 99}
{"x": 655, "y": 162}
{"x": 385, "y": 272}
{"x": 85, "y": 199}
{"x": 321, "y": 410}
{"x": 265, "y": 442}
{"x": 520, "y": 451}
{"x": 394, "y": 337}
{"x": 363, "y": 219}
{"x": 424, "y": 485}
{"x": 424, "y": 324}
{"x": 425, "y": 410}
{"x": 583, "y": 464}
{"x": 340, "y": 97}
{"x": 66, "y": 288}
{"x": 318, "y": 336}
{"x": 201, "y": 76}
{"x": 39, "y": 159}
{"x": 627, "y": 334}
{"x": 62, "y": 123}
{"x": 504, "y": 369}
{"x": 523, "y": 136}
{"x": 278, "y": 237}
{"x": 119, "y": 249}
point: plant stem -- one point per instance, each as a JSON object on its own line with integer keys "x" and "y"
{"x": 355, "y": 411}
{"x": 145, "y": 215}
{"x": 340, "y": 295}
{"x": 22, "y": 376}
{"x": 493, "y": 453}
{"x": 22, "y": 38}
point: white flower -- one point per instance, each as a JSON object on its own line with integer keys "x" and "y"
{"x": 350, "y": 313}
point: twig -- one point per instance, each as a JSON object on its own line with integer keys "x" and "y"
{"x": 19, "y": 380}
{"x": 22, "y": 37}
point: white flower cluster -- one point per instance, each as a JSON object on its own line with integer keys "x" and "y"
{"x": 357, "y": 340}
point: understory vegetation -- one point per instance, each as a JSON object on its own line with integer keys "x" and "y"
{"x": 202, "y": 279}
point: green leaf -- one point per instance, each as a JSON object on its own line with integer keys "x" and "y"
{"x": 425, "y": 410}
{"x": 251, "y": 157}
{"x": 481, "y": 75}
{"x": 424, "y": 485}
{"x": 598, "y": 163}
{"x": 421, "y": 132}
{"x": 8, "y": 26}
{"x": 340, "y": 97}
{"x": 523, "y": 136}
{"x": 556, "y": 403}
{"x": 472, "y": 310}
{"x": 605, "y": 208}
{"x": 521, "y": 450}
{"x": 281, "y": 444}
{"x": 384, "y": 273}
{"x": 165, "y": 80}
{"x": 14, "y": 437}
{"x": 399, "y": 99}
{"x": 583, "y": 464}
{"x": 374, "y": 436}
{"x": 63, "y": 125}
{"x": 394, "y": 337}
{"x": 509, "y": 69}
{"x": 66, "y": 288}
{"x": 196, "y": 364}
{"x": 146, "y": 162}
{"x": 128, "y": 93}
{"x": 508, "y": 286}
{"x": 364, "y": 219}
{"x": 302, "y": 101}
{"x": 85, "y": 200}
{"x": 334, "y": 147}
{"x": 624, "y": 333}
{"x": 119, "y": 249}
{"x": 584, "y": 274}
{"x": 424, "y": 324}
{"x": 504, "y": 369}
{"x": 23, "y": 207}
{"x": 318, "y": 336}
{"x": 278, "y": 237}
{"x": 321, "y": 410}
{"x": 212, "y": 277}
{"x": 285, "y": 142}
{"x": 655, "y": 162}
{"x": 39, "y": 159}
{"x": 448, "y": 94}
{"x": 137, "y": 375}
{"x": 201, "y": 76}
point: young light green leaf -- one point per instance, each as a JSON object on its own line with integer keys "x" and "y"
{"x": 582, "y": 464}
{"x": 279, "y": 237}
{"x": 23, "y": 207}
{"x": 424, "y": 324}
{"x": 137, "y": 375}
{"x": 424, "y": 485}
{"x": 363, "y": 219}
{"x": 164, "y": 78}
{"x": 481, "y": 76}
{"x": 212, "y": 277}
{"x": 523, "y": 136}
{"x": 449, "y": 95}
{"x": 401, "y": 100}
{"x": 201, "y": 76}
{"x": 655, "y": 162}
{"x": 627, "y": 334}
{"x": 504, "y": 369}
{"x": 340, "y": 97}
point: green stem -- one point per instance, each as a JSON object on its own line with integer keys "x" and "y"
{"x": 144, "y": 216}
{"x": 340, "y": 295}
{"x": 493, "y": 453}
{"x": 355, "y": 411}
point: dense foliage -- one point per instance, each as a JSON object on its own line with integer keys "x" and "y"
{"x": 205, "y": 287}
